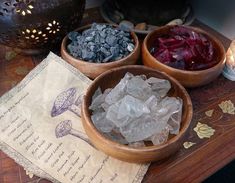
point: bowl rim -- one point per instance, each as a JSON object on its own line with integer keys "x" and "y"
{"x": 66, "y": 53}
{"x": 112, "y": 143}
{"x": 197, "y": 29}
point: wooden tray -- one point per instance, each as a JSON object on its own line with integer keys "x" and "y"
{"x": 212, "y": 131}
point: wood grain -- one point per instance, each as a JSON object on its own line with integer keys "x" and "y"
{"x": 188, "y": 165}
{"x": 202, "y": 159}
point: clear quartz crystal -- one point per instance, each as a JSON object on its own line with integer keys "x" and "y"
{"x": 98, "y": 99}
{"x": 161, "y": 137}
{"x": 118, "y": 91}
{"x": 142, "y": 128}
{"x": 101, "y": 122}
{"x": 139, "y": 88}
{"x": 117, "y": 137}
{"x": 132, "y": 107}
{"x": 160, "y": 87}
{"x": 152, "y": 102}
{"x": 175, "y": 119}
{"x": 96, "y": 103}
{"x": 97, "y": 93}
{"x": 126, "y": 110}
{"x": 137, "y": 109}
{"x": 112, "y": 115}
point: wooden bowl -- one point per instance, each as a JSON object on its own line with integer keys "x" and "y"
{"x": 92, "y": 70}
{"x": 130, "y": 154}
{"x": 186, "y": 78}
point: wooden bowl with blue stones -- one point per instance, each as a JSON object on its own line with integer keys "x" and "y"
{"x": 96, "y": 48}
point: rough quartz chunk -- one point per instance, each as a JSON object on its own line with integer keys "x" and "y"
{"x": 139, "y": 88}
{"x": 112, "y": 115}
{"x": 117, "y": 137}
{"x": 152, "y": 102}
{"x": 160, "y": 87}
{"x": 126, "y": 110}
{"x": 160, "y": 137}
{"x": 118, "y": 91}
{"x": 97, "y": 93}
{"x": 142, "y": 128}
{"x": 136, "y": 110}
{"x": 101, "y": 122}
{"x": 175, "y": 119}
{"x": 98, "y": 99}
{"x": 132, "y": 107}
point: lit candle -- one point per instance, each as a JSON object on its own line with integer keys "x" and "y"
{"x": 229, "y": 69}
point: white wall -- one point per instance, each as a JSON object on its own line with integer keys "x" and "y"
{"x": 219, "y": 14}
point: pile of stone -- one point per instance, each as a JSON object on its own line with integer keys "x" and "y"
{"x": 137, "y": 109}
{"x": 100, "y": 44}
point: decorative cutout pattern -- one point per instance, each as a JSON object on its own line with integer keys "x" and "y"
{"x": 24, "y": 7}
{"x": 34, "y": 35}
{"x": 209, "y": 113}
{"x": 227, "y": 107}
{"x": 53, "y": 27}
{"x": 187, "y": 145}
{"x": 204, "y": 131}
{"x": 34, "y": 28}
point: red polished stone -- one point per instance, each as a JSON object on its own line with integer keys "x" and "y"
{"x": 184, "y": 49}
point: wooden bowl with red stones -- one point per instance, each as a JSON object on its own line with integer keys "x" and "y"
{"x": 92, "y": 70}
{"x": 122, "y": 152}
{"x": 186, "y": 78}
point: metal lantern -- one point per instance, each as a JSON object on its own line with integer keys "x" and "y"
{"x": 36, "y": 25}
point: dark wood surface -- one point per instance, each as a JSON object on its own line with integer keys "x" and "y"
{"x": 189, "y": 165}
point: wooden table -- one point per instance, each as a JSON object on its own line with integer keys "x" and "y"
{"x": 210, "y": 144}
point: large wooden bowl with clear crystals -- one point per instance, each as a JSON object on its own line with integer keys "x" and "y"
{"x": 123, "y": 152}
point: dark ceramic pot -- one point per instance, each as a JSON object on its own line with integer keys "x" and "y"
{"x": 34, "y": 26}
{"x": 155, "y": 12}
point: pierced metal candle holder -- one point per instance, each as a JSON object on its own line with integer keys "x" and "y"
{"x": 37, "y": 25}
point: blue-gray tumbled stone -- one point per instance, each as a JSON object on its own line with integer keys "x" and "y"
{"x": 100, "y": 43}
{"x": 126, "y": 25}
{"x": 100, "y": 27}
{"x": 105, "y": 51}
{"x": 86, "y": 55}
{"x": 73, "y": 35}
{"x": 89, "y": 39}
{"x": 115, "y": 51}
{"x": 108, "y": 58}
{"x": 111, "y": 40}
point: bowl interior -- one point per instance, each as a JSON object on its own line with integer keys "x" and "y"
{"x": 111, "y": 78}
{"x": 66, "y": 41}
{"x": 219, "y": 49}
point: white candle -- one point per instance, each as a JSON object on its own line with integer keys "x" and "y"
{"x": 230, "y": 62}
{"x": 229, "y": 69}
